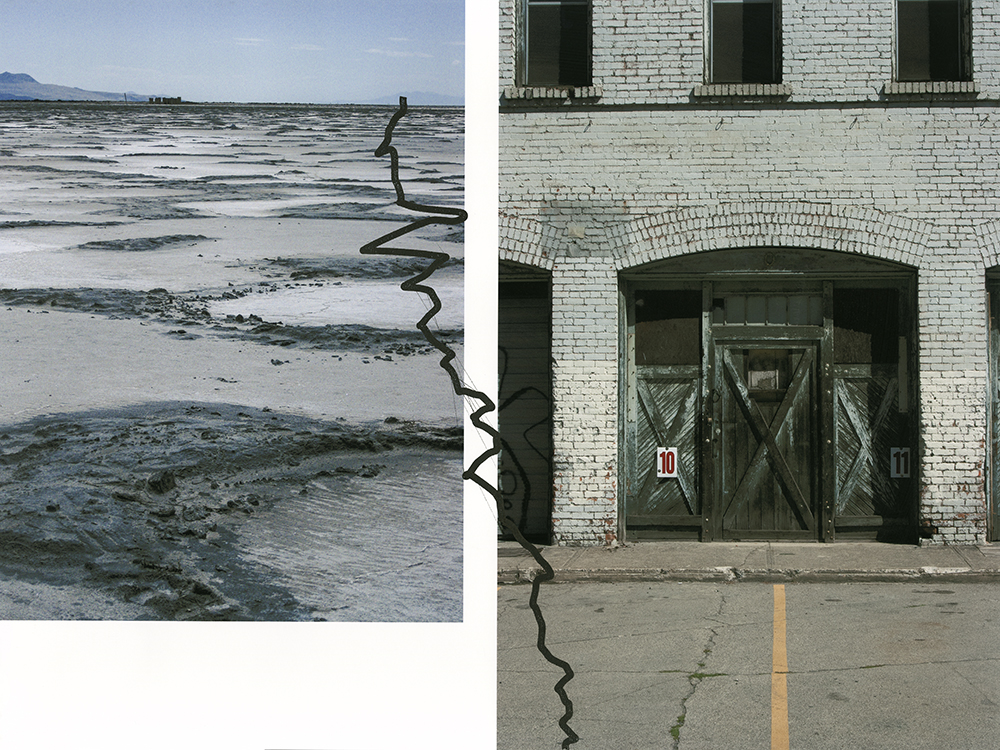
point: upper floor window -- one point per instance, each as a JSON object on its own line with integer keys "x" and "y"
{"x": 556, "y": 43}
{"x": 745, "y": 41}
{"x": 932, "y": 40}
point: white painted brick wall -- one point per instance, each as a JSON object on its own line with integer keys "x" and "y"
{"x": 832, "y": 170}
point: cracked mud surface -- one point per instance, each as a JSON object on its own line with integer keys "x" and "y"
{"x": 156, "y": 506}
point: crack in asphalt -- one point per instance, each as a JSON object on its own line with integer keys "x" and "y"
{"x": 975, "y": 687}
{"x": 927, "y": 663}
{"x": 695, "y": 678}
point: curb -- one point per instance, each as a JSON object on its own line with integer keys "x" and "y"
{"x": 751, "y": 575}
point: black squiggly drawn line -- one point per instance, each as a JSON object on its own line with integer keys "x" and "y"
{"x": 454, "y": 216}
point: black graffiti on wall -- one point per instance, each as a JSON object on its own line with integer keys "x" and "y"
{"x": 515, "y": 481}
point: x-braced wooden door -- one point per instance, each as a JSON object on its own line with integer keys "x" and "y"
{"x": 766, "y": 441}
{"x": 872, "y": 478}
{"x": 669, "y": 411}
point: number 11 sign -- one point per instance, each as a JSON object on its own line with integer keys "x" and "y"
{"x": 899, "y": 463}
{"x": 666, "y": 463}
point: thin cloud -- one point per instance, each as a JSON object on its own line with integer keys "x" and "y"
{"x": 249, "y": 41}
{"x": 398, "y": 53}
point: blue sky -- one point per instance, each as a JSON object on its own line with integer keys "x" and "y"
{"x": 317, "y": 51}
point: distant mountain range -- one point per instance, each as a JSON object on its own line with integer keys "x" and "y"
{"x": 21, "y": 86}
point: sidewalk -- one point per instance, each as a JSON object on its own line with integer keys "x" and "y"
{"x": 754, "y": 561}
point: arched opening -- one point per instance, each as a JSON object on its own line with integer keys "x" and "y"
{"x": 783, "y": 383}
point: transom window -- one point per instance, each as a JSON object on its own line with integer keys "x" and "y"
{"x": 768, "y": 309}
{"x": 744, "y": 41}
{"x": 932, "y": 40}
{"x": 557, "y": 43}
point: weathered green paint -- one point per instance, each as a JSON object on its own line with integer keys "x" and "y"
{"x": 807, "y": 461}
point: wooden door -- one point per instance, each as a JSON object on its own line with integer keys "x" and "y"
{"x": 869, "y": 426}
{"x": 766, "y": 443}
{"x": 993, "y": 517}
{"x": 668, "y": 415}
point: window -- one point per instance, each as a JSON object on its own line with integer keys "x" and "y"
{"x": 932, "y": 40}
{"x": 745, "y": 42}
{"x": 557, "y": 43}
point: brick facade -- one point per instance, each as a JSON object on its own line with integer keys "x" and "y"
{"x": 647, "y": 170}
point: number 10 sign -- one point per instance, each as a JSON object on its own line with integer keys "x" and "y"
{"x": 666, "y": 463}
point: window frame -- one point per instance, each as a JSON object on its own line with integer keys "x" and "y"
{"x": 524, "y": 69}
{"x": 776, "y": 42}
{"x": 965, "y": 69}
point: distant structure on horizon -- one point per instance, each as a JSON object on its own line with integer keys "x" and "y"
{"x": 165, "y": 100}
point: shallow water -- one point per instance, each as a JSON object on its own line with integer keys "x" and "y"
{"x": 373, "y": 303}
{"x": 351, "y": 549}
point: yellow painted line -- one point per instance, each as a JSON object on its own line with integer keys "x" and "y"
{"x": 779, "y": 675}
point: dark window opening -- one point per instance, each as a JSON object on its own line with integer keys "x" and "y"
{"x": 768, "y": 373}
{"x": 667, "y": 327}
{"x": 557, "y": 43}
{"x": 772, "y": 309}
{"x": 744, "y": 41}
{"x": 932, "y": 40}
{"x": 866, "y": 326}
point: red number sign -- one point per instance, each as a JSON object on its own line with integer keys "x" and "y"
{"x": 666, "y": 463}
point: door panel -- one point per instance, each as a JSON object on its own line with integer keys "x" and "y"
{"x": 766, "y": 457}
{"x": 993, "y": 518}
{"x": 868, "y": 426}
{"x": 668, "y": 416}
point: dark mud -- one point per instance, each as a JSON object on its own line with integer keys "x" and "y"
{"x": 357, "y": 268}
{"x": 41, "y": 223}
{"x": 143, "y": 244}
{"x": 148, "y": 503}
{"x": 191, "y": 314}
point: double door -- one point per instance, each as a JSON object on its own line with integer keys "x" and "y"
{"x": 746, "y": 432}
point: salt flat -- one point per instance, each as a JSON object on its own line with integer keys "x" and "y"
{"x": 199, "y": 265}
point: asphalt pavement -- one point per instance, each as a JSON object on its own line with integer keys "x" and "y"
{"x": 691, "y": 665}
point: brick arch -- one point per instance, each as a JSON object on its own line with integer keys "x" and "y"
{"x": 862, "y": 231}
{"x": 527, "y": 241}
{"x": 989, "y": 243}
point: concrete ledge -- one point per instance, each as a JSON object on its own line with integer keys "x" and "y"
{"x": 756, "y": 562}
{"x": 512, "y": 93}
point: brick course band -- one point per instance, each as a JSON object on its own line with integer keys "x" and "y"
{"x": 862, "y": 231}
